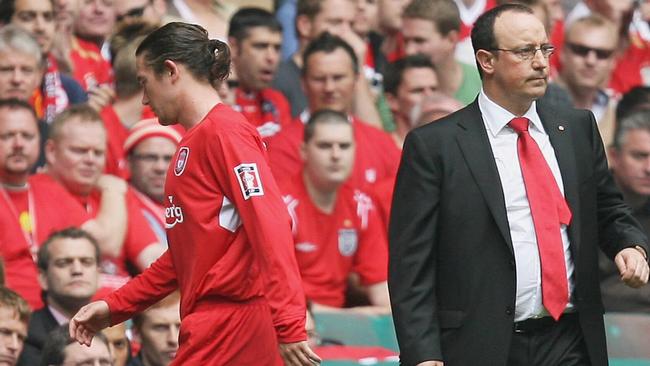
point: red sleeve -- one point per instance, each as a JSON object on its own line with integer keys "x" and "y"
{"x": 146, "y": 289}
{"x": 138, "y": 234}
{"x": 241, "y": 156}
{"x": 371, "y": 260}
{"x": 284, "y": 151}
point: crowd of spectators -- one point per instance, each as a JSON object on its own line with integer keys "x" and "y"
{"x": 332, "y": 86}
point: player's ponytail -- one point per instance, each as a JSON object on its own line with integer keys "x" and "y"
{"x": 221, "y": 65}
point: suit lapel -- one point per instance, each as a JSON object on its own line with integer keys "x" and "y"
{"x": 560, "y": 135}
{"x": 477, "y": 152}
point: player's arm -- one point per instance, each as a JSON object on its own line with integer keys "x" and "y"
{"x": 152, "y": 285}
{"x": 109, "y": 226}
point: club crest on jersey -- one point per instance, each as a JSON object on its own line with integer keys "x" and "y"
{"x": 347, "y": 242}
{"x": 181, "y": 160}
{"x": 249, "y": 180}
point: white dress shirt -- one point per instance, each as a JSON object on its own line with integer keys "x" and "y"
{"x": 503, "y": 141}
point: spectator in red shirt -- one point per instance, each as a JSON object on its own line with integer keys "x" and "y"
{"x": 14, "y": 316}
{"x": 255, "y": 38}
{"x": 230, "y": 251}
{"x": 330, "y": 76}
{"x": 31, "y": 207}
{"x": 150, "y": 148}
{"x": 75, "y": 160}
{"x": 336, "y": 229}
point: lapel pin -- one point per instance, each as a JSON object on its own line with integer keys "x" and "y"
{"x": 560, "y": 127}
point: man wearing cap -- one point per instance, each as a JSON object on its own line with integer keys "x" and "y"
{"x": 149, "y": 149}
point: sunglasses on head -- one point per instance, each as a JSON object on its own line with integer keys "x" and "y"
{"x": 583, "y": 51}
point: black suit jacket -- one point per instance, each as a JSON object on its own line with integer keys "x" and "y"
{"x": 40, "y": 324}
{"x": 452, "y": 275}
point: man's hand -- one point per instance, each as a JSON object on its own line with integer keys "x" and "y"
{"x": 89, "y": 320}
{"x": 632, "y": 266}
{"x": 431, "y": 363}
{"x": 100, "y": 96}
{"x": 298, "y": 354}
{"x": 111, "y": 183}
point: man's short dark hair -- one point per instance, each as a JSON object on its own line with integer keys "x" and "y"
{"x": 246, "y": 18}
{"x": 323, "y": 116}
{"x": 395, "y": 71}
{"x": 14, "y": 103}
{"x": 444, "y": 14}
{"x": 43, "y": 257}
{"x": 483, "y": 37}
{"x": 328, "y": 43}
{"x": 635, "y": 99}
{"x": 57, "y": 340}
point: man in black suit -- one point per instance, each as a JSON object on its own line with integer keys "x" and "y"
{"x": 497, "y": 213}
{"x": 68, "y": 274}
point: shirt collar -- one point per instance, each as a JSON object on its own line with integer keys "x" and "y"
{"x": 497, "y": 117}
{"x": 58, "y": 316}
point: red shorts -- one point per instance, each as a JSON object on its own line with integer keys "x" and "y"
{"x": 228, "y": 333}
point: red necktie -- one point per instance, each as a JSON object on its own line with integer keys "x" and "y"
{"x": 548, "y": 209}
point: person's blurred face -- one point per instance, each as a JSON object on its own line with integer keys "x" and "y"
{"x": 366, "y": 17}
{"x": 77, "y": 157}
{"x": 631, "y": 163}
{"x": 19, "y": 144}
{"x": 64, "y": 11}
{"x": 588, "y": 57}
{"x": 156, "y": 93}
{"x": 72, "y": 274}
{"x": 36, "y": 17}
{"x": 20, "y": 75}
{"x": 417, "y": 84}
{"x": 329, "y": 154}
{"x": 256, "y": 58}
{"x": 159, "y": 335}
{"x": 149, "y": 161}
{"x": 614, "y": 10}
{"x": 147, "y": 10}
{"x": 95, "y": 19}
{"x": 13, "y": 332}
{"x": 389, "y": 14}
{"x": 118, "y": 343}
{"x": 329, "y": 81}
{"x": 97, "y": 354}
{"x": 335, "y": 17}
{"x": 422, "y": 37}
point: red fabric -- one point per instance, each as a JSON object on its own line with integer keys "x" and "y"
{"x": 223, "y": 248}
{"x": 116, "y": 134}
{"x": 382, "y": 194}
{"x": 632, "y": 68}
{"x": 89, "y": 68}
{"x": 54, "y": 209}
{"x": 268, "y": 110}
{"x": 548, "y": 209}
{"x": 400, "y": 49}
{"x": 557, "y": 40}
{"x": 466, "y": 28}
{"x": 376, "y": 158}
{"x": 329, "y": 247}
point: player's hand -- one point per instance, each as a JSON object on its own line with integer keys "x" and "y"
{"x": 431, "y": 363}
{"x": 111, "y": 183}
{"x": 298, "y": 354}
{"x": 89, "y": 320}
{"x": 632, "y": 266}
{"x": 100, "y": 96}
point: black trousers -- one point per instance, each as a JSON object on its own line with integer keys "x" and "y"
{"x": 559, "y": 344}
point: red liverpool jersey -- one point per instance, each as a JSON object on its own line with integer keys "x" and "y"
{"x": 228, "y": 232}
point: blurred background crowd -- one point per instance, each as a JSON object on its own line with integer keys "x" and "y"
{"x": 83, "y": 160}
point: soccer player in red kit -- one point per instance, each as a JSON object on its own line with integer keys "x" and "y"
{"x": 230, "y": 246}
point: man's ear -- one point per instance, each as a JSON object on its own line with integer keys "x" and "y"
{"x": 42, "y": 280}
{"x": 171, "y": 70}
{"x": 485, "y": 60}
